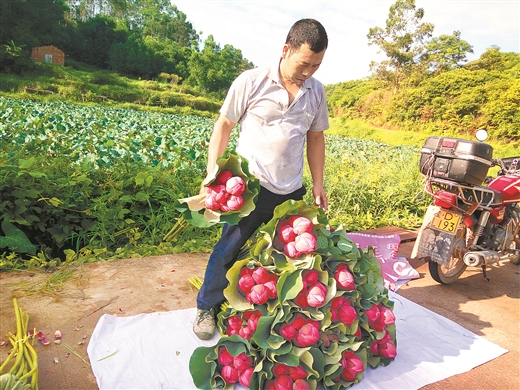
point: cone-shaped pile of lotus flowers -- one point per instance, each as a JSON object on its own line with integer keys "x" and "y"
{"x": 229, "y": 194}
{"x": 305, "y": 308}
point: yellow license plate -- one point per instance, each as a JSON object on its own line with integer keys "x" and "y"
{"x": 445, "y": 220}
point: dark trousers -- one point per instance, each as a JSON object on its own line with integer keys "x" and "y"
{"x": 233, "y": 238}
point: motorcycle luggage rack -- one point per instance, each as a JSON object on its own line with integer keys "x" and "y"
{"x": 469, "y": 195}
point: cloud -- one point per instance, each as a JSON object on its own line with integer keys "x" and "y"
{"x": 259, "y": 28}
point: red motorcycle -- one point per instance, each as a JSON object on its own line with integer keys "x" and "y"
{"x": 474, "y": 219}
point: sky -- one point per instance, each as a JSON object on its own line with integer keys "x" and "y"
{"x": 259, "y": 28}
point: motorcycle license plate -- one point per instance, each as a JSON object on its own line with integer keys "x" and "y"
{"x": 445, "y": 220}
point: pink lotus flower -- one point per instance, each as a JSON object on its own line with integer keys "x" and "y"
{"x": 261, "y": 275}
{"x": 352, "y": 365}
{"x": 235, "y": 186}
{"x": 308, "y": 335}
{"x": 235, "y": 322}
{"x": 301, "y": 384}
{"x": 246, "y": 271}
{"x": 344, "y": 279}
{"x": 211, "y": 203}
{"x": 347, "y": 314}
{"x": 388, "y": 350}
{"x": 288, "y": 331}
{"x": 258, "y": 294}
{"x": 230, "y": 374}
{"x": 287, "y": 233}
{"x": 271, "y": 287}
{"x": 372, "y": 313}
{"x": 280, "y": 369}
{"x": 245, "y": 377}
{"x": 300, "y": 224}
{"x": 386, "y": 315}
{"x": 246, "y": 283}
{"x": 246, "y": 332}
{"x": 283, "y": 382}
{"x": 252, "y": 322}
{"x": 230, "y": 331}
{"x": 301, "y": 299}
{"x": 219, "y": 192}
{"x": 296, "y": 372}
{"x": 305, "y": 243}
{"x": 242, "y": 362}
{"x": 235, "y": 202}
{"x": 310, "y": 277}
{"x": 317, "y": 295}
{"x": 291, "y": 251}
{"x": 299, "y": 321}
{"x": 223, "y": 177}
{"x": 224, "y": 357}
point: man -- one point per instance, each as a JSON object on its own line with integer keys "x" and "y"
{"x": 279, "y": 108}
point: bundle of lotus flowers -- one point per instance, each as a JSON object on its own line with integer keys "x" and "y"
{"x": 302, "y": 311}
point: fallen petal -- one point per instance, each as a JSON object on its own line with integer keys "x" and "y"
{"x": 57, "y": 335}
{"x": 45, "y": 340}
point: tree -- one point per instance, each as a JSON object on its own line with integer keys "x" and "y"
{"x": 445, "y": 53}
{"x": 402, "y": 40}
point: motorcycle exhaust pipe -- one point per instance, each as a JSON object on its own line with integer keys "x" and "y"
{"x": 475, "y": 259}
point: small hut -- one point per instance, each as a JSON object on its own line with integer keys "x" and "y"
{"x": 50, "y": 54}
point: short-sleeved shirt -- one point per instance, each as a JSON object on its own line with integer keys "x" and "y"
{"x": 272, "y": 132}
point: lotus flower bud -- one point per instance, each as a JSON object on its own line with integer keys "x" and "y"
{"x": 336, "y": 303}
{"x": 223, "y": 177}
{"x": 260, "y": 275}
{"x": 372, "y": 313}
{"x": 219, "y": 192}
{"x": 242, "y": 361}
{"x": 246, "y": 271}
{"x": 211, "y": 203}
{"x": 246, "y": 332}
{"x": 245, "y": 377}
{"x": 300, "y": 224}
{"x": 299, "y": 321}
{"x": 224, "y": 357}
{"x": 388, "y": 350}
{"x": 288, "y": 331}
{"x": 374, "y": 348}
{"x": 230, "y": 374}
{"x": 291, "y": 251}
{"x": 310, "y": 277}
{"x": 352, "y": 365}
{"x": 386, "y": 315}
{"x": 305, "y": 243}
{"x": 347, "y": 314}
{"x": 287, "y": 233}
{"x": 259, "y": 294}
{"x": 235, "y": 186}
{"x": 246, "y": 283}
{"x": 301, "y": 299}
{"x": 230, "y": 331}
{"x": 235, "y": 322}
{"x": 283, "y": 382}
{"x": 317, "y": 295}
{"x": 344, "y": 278}
{"x": 378, "y": 325}
{"x": 301, "y": 384}
{"x": 296, "y": 372}
{"x": 280, "y": 369}
{"x": 308, "y": 335}
{"x": 224, "y": 208}
{"x": 252, "y": 322}
{"x": 235, "y": 202}
{"x": 271, "y": 286}
{"x": 249, "y": 313}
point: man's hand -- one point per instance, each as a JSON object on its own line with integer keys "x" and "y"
{"x": 320, "y": 197}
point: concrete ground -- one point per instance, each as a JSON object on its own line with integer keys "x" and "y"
{"x": 128, "y": 287}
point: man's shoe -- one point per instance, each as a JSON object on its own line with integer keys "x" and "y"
{"x": 204, "y": 325}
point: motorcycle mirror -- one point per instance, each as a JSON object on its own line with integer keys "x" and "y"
{"x": 481, "y": 135}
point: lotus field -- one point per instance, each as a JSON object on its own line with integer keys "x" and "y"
{"x": 85, "y": 183}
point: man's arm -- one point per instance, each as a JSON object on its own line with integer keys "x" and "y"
{"x": 218, "y": 141}
{"x": 316, "y": 160}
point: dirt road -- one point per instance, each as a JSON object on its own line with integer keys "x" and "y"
{"x": 128, "y": 287}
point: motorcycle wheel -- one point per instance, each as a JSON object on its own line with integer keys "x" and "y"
{"x": 456, "y": 267}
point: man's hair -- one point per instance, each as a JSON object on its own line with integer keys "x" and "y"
{"x": 308, "y": 31}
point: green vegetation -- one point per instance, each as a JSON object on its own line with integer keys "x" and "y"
{"x": 91, "y": 183}
{"x": 88, "y": 85}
